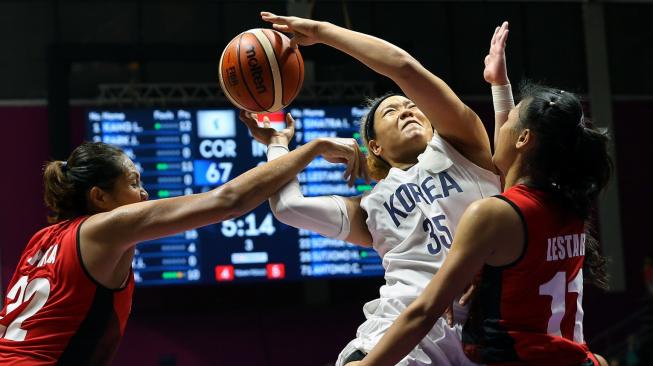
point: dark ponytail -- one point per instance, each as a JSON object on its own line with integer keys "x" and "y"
{"x": 570, "y": 158}
{"x": 67, "y": 182}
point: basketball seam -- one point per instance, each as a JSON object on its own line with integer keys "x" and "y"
{"x": 300, "y": 79}
{"x": 278, "y": 67}
{"x": 226, "y": 91}
{"x": 278, "y": 105}
{"x": 240, "y": 67}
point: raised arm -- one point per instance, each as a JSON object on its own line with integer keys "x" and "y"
{"x": 484, "y": 224}
{"x": 331, "y": 216}
{"x": 496, "y": 74}
{"x": 452, "y": 119}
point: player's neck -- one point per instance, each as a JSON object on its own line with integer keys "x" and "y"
{"x": 514, "y": 175}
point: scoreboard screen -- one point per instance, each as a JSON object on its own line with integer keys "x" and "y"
{"x": 186, "y": 151}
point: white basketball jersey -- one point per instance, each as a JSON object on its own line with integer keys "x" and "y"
{"x": 413, "y": 214}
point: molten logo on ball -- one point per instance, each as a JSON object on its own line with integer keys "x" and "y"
{"x": 260, "y": 72}
{"x": 255, "y": 69}
{"x": 232, "y": 76}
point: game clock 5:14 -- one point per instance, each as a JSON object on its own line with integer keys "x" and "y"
{"x": 248, "y": 226}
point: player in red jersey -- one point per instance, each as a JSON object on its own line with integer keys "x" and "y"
{"x": 530, "y": 242}
{"x": 70, "y": 296}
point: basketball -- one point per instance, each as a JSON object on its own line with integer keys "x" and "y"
{"x": 260, "y": 72}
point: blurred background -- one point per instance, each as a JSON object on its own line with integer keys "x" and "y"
{"x": 64, "y": 62}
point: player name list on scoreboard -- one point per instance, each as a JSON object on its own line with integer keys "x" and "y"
{"x": 159, "y": 143}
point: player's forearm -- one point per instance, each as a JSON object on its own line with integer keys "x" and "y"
{"x": 254, "y": 186}
{"x": 377, "y": 54}
{"x": 153, "y": 219}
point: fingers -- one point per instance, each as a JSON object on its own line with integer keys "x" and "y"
{"x": 468, "y": 295}
{"x": 494, "y": 35}
{"x": 293, "y": 41}
{"x": 356, "y": 170}
{"x": 290, "y": 123}
{"x": 353, "y": 162}
{"x": 273, "y": 18}
{"x": 247, "y": 119}
{"x": 499, "y": 35}
{"x": 347, "y": 174}
{"x": 448, "y": 315}
{"x": 504, "y": 38}
{"x": 282, "y": 28}
{"x": 502, "y": 35}
{"x": 266, "y": 122}
{"x": 364, "y": 173}
{"x": 360, "y": 170}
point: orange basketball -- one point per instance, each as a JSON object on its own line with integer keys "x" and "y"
{"x": 260, "y": 72}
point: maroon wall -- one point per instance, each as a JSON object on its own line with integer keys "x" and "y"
{"x": 24, "y": 149}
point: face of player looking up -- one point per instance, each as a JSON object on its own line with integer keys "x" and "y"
{"x": 401, "y": 131}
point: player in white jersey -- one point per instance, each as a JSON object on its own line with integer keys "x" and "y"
{"x": 426, "y": 180}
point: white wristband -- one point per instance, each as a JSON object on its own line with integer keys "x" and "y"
{"x": 276, "y": 150}
{"x": 502, "y": 98}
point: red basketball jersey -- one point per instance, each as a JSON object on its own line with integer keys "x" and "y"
{"x": 530, "y": 312}
{"x": 55, "y": 313}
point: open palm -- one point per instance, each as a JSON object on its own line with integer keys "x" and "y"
{"x": 266, "y": 134}
{"x": 495, "y": 71}
{"x": 304, "y": 31}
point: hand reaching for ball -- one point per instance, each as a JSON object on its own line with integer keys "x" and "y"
{"x": 266, "y": 134}
{"x": 305, "y": 31}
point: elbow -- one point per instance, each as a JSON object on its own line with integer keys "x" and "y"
{"x": 281, "y": 211}
{"x": 406, "y": 65}
{"x": 227, "y": 202}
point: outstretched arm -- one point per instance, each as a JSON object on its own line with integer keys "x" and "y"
{"x": 474, "y": 243}
{"x": 496, "y": 74}
{"x": 453, "y": 120}
{"x": 153, "y": 219}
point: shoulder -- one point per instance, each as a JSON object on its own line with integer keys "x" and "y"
{"x": 493, "y": 213}
{"x": 476, "y": 159}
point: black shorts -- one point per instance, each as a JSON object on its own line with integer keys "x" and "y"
{"x": 356, "y": 356}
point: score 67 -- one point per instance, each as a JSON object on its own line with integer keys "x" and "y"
{"x": 436, "y": 227}
{"x": 211, "y": 173}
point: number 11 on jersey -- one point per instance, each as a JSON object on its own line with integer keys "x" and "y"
{"x": 558, "y": 288}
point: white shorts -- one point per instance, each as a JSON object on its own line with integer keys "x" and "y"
{"x": 441, "y": 346}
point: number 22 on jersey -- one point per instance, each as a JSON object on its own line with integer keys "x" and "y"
{"x": 35, "y": 293}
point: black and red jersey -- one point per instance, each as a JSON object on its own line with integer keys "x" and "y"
{"x": 55, "y": 312}
{"x": 530, "y": 311}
